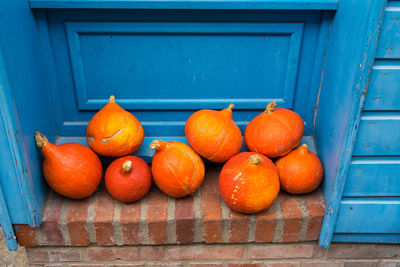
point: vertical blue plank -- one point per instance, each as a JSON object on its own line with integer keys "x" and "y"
{"x": 350, "y": 55}
{"x": 25, "y": 108}
{"x": 5, "y": 223}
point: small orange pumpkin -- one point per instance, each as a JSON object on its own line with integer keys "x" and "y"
{"x": 128, "y": 178}
{"x": 213, "y": 134}
{"x": 275, "y": 132}
{"x": 300, "y": 171}
{"x": 177, "y": 170}
{"x": 72, "y": 170}
{"x": 114, "y": 131}
{"x": 249, "y": 182}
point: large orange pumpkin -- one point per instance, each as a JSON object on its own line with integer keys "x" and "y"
{"x": 213, "y": 134}
{"x": 177, "y": 170}
{"x": 249, "y": 182}
{"x": 114, "y": 131}
{"x": 275, "y": 132}
{"x": 128, "y": 178}
{"x": 300, "y": 171}
{"x": 72, "y": 170}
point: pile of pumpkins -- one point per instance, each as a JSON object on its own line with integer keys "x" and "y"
{"x": 249, "y": 182}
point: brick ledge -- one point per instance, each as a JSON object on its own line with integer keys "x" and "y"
{"x": 158, "y": 219}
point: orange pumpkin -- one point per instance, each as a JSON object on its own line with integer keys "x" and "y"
{"x": 114, "y": 131}
{"x": 300, "y": 171}
{"x": 249, "y": 182}
{"x": 275, "y": 132}
{"x": 72, "y": 170}
{"x": 128, "y": 178}
{"x": 213, "y": 134}
{"x": 177, "y": 170}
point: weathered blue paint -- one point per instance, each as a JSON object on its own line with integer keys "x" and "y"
{"x": 88, "y": 45}
{"x": 25, "y": 107}
{"x": 383, "y": 92}
{"x": 6, "y": 225}
{"x": 386, "y": 126}
{"x": 188, "y": 4}
{"x": 389, "y": 45}
{"x": 343, "y": 87}
{"x": 373, "y": 176}
{"x": 369, "y": 215}
{"x": 367, "y": 238}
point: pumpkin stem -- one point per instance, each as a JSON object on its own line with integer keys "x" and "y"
{"x": 256, "y": 159}
{"x": 270, "y": 108}
{"x": 40, "y": 139}
{"x": 127, "y": 166}
{"x": 303, "y": 149}
{"x": 111, "y": 99}
{"x": 230, "y": 107}
{"x": 155, "y": 145}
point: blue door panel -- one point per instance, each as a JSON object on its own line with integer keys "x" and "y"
{"x": 379, "y": 134}
{"x": 166, "y": 67}
{"x": 389, "y": 45}
{"x": 373, "y": 176}
{"x": 383, "y": 91}
{"x": 369, "y": 215}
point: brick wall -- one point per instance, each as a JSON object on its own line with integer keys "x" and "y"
{"x": 304, "y": 254}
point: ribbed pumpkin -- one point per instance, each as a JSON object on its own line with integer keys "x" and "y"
{"x": 177, "y": 170}
{"x": 114, "y": 131}
{"x": 249, "y": 182}
{"x": 213, "y": 134}
{"x": 128, "y": 178}
{"x": 300, "y": 171}
{"x": 72, "y": 170}
{"x": 275, "y": 132}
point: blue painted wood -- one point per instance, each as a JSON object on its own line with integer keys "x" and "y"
{"x": 6, "y": 225}
{"x": 369, "y": 215}
{"x": 383, "y": 91}
{"x": 188, "y": 4}
{"x": 379, "y": 134}
{"x": 367, "y": 238}
{"x": 218, "y": 59}
{"x": 25, "y": 107}
{"x": 71, "y": 119}
{"x": 349, "y": 59}
{"x": 389, "y": 45}
{"x": 373, "y": 176}
{"x": 146, "y": 153}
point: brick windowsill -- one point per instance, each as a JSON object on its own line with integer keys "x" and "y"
{"x": 158, "y": 219}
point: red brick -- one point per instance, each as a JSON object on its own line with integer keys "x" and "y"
{"x": 284, "y": 251}
{"x": 76, "y": 222}
{"x": 244, "y": 264}
{"x": 157, "y": 217}
{"x": 316, "y": 208}
{"x": 104, "y": 218}
{"x": 130, "y": 223}
{"x": 239, "y": 227}
{"x": 322, "y": 264}
{"x": 184, "y": 217}
{"x": 283, "y": 264}
{"x": 51, "y": 216}
{"x": 363, "y": 251}
{"x": 201, "y": 252}
{"x": 63, "y": 255}
{"x": 166, "y": 265}
{"x": 361, "y": 264}
{"x": 265, "y": 225}
{"x": 206, "y": 264}
{"x": 292, "y": 217}
{"x": 211, "y": 206}
{"x": 125, "y": 253}
{"x": 25, "y": 235}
